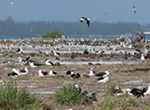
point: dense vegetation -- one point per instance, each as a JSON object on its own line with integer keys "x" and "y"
{"x": 53, "y": 34}
{"x": 9, "y": 27}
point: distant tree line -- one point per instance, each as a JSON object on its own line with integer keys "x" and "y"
{"x": 9, "y": 27}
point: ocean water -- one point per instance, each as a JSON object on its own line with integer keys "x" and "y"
{"x": 75, "y": 37}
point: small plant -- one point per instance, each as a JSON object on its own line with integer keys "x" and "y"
{"x": 117, "y": 102}
{"x": 68, "y": 95}
{"x": 12, "y": 98}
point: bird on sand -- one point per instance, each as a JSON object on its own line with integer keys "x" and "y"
{"x": 85, "y": 19}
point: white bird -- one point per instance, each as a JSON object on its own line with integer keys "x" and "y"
{"x": 103, "y": 79}
{"x": 42, "y": 73}
{"x": 48, "y": 62}
{"x": 142, "y": 57}
{"x": 33, "y": 65}
{"x": 25, "y": 71}
{"x": 92, "y": 73}
{"x": 52, "y": 73}
{"x": 134, "y": 9}
{"x": 148, "y": 90}
{"x": 85, "y": 19}
{"x": 103, "y": 74}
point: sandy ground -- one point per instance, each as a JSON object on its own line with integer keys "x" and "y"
{"x": 127, "y": 72}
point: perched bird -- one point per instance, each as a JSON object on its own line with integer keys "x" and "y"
{"x": 42, "y": 73}
{"x": 24, "y": 71}
{"x": 148, "y": 90}
{"x": 103, "y": 74}
{"x": 85, "y": 19}
{"x": 15, "y": 73}
{"x": 75, "y": 76}
{"x": 134, "y": 9}
{"x": 52, "y": 73}
{"x": 92, "y": 73}
{"x": 19, "y": 50}
{"x": 138, "y": 92}
{"x": 33, "y": 65}
{"x": 48, "y": 62}
{"x": 70, "y": 72}
{"x": 103, "y": 79}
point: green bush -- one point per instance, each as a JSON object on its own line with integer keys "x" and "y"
{"x": 117, "y": 102}
{"x": 68, "y": 95}
{"x": 12, "y": 98}
{"x": 53, "y": 34}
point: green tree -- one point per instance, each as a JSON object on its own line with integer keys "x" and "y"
{"x": 53, "y": 34}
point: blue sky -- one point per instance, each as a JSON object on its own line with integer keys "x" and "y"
{"x": 72, "y": 10}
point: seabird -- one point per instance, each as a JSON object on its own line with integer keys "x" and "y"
{"x": 148, "y": 90}
{"x": 107, "y": 12}
{"x": 75, "y": 76}
{"x": 19, "y": 50}
{"x": 92, "y": 73}
{"x": 48, "y": 62}
{"x": 70, "y": 72}
{"x": 15, "y": 73}
{"x": 33, "y": 65}
{"x": 134, "y": 9}
{"x": 52, "y": 73}
{"x": 103, "y": 79}
{"x": 142, "y": 57}
{"x": 25, "y": 71}
{"x": 85, "y": 19}
{"x": 42, "y": 73}
{"x": 103, "y": 74}
{"x": 138, "y": 92}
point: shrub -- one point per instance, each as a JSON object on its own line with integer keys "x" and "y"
{"x": 68, "y": 95}
{"x": 12, "y": 98}
{"x": 117, "y": 102}
{"x": 53, "y": 34}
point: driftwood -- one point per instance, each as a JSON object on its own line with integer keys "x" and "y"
{"x": 137, "y": 69}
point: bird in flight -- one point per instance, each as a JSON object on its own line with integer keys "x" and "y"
{"x": 11, "y": 2}
{"x": 107, "y": 12}
{"x": 134, "y": 9}
{"x": 85, "y": 19}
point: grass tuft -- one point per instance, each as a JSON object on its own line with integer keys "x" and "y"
{"x": 68, "y": 95}
{"x": 12, "y": 98}
{"x": 117, "y": 102}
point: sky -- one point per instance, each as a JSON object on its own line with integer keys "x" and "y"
{"x": 72, "y": 10}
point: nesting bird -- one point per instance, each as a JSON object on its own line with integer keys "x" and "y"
{"x": 138, "y": 92}
{"x": 15, "y": 73}
{"x": 52, "y": 73}
{"x": 103, "y": 74}
{"x": 42, "y": 73}
{"x": 24, "y": 71}
{"x": 48, "y": 62}
{"x": 92, "y": 72}
{"x": 85, "y": 19}
{"x": 33, "y": 65}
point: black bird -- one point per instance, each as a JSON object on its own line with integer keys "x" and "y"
{"x": 85, "y": 19}
{"x": 69, "y": 72}
{"x": 134, "y": 9}
{"x": 138, "y": 92}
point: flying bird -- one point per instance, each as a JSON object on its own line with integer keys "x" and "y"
{"x": 134, "y": 9}
{"x": 85, "y": 19}
{"x": 107, "y": 12}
